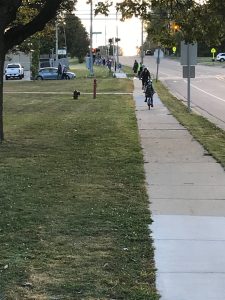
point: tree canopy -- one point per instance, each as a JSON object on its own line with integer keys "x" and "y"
{"x": 195, "y": 20}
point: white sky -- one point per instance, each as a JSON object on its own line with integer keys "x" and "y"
{"x": 129, "y": 31}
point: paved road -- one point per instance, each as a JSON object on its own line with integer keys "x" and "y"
{"x": 207, "y": 89}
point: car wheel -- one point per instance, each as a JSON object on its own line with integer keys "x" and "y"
{"x": 39, "y": 78}
{"x": 6, "y": 78}
{"x": 67, "y": 77}
{"x": 222, "y": 59}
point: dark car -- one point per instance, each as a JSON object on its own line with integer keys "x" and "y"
{"x": 50, "y": 73}
{"x": 148, "y": 52}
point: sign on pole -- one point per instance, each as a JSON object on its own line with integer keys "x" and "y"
{"x": 188, "y": 60}
{"x": 213, "y": 51}
{"x": 61, "y": 51}
{"x": 185, "y": 72}
{"x": 188, "y": 54}
{"x": 158, "y": 53}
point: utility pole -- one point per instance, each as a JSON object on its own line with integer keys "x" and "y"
{"x": 117, "y": 40}
{"x": 56, "y": 44}
{"x": 91, "y": 38}
{"x": 142, "y": 41}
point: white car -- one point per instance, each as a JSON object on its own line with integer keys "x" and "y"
{"x": 14, "y": 70}
{"x": 220, "y": 57}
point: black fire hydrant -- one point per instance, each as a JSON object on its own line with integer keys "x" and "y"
{"x": 76, "y": 94}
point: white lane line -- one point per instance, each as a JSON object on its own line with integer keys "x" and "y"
{"x": 209, "y": 94}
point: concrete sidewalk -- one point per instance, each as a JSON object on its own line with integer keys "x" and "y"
{"x": 186, "y": 188}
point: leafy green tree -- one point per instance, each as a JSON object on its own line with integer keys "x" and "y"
{"x": 20, "y": 19}
{"x": 76, "y": 37}
{"x": 196, "y": 21}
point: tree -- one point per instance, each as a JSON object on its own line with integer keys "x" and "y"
{"x": 196, "y": 21}
{"x": 76, "y": 37}
{"x": 16, "y": 25}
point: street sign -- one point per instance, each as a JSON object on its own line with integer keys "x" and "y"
{"x": 62, "y": 52}
{"x": 158, "y": 53}
{"x": 185, "y": 72}
{"x": 188, "y": 54}
{"x": 213, "y": 51}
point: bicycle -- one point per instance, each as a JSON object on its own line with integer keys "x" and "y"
{"x": 149, "y": 100}
{"x": 149, "y": 92}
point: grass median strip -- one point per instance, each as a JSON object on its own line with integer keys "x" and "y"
{"x": 74, "y": 209}
{"x": 210, "y": 136}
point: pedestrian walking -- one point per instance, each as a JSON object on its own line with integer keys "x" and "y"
{"x": 140, "y": 69}
{"x": 135, "y": 67}
{"x": 145, "y": 77}
{"x": 64, "y": 72}
{"x": 59, "y": 71}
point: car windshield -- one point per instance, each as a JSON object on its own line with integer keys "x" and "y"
{"x": 13, "y": 66}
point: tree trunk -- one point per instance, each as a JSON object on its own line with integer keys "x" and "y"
{"x": 2, "y": 60}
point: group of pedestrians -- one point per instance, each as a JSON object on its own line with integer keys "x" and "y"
{"x": 61, "y": 71}
{"x": 144, "y": 75}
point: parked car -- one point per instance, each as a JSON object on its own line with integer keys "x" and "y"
{"x": 14, "y": 70}
{"x": 50, "y": 73}
{"x": 148, "y": 52}
{"x": 220, "y": 57}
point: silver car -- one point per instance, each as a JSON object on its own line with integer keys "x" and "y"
{"x": 51, "y": 73}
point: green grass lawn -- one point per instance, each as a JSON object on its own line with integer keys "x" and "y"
{"x": 73, "y": 203}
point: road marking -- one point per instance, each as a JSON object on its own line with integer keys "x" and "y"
{"x": 220, "y": 77}
{"x": 209, "y": 94}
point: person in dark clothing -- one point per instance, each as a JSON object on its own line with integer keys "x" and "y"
{"x": 64, "y": 72}
{"x": 135, "y": 67}
{"x": 145, "y": 77}
{"x": 149, "y": 92}
{"x": 59, "y": 71}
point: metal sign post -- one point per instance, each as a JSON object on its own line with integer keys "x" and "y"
{"x": 158, "y": 54}
{"x": 188, "y": 60}
{"x": 91, "y": 39}
{"x": 189, "y": 78}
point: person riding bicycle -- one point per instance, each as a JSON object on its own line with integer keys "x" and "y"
{"x": 145, "y": 77}
{"x": 149, "y": 92}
